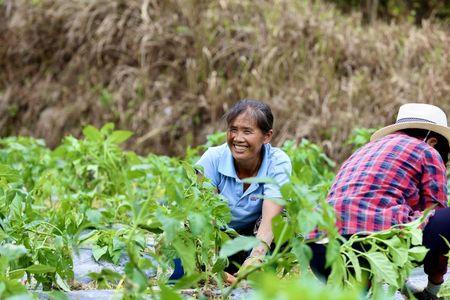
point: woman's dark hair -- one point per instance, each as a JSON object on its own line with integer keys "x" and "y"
{"x": 442, "y": 145}
{"x": 260, "y": 111}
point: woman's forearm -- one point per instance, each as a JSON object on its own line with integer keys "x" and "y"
{"x": 265, "y": 234}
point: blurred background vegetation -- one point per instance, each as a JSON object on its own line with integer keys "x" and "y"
{"x": 169, "y": 69}
{"x": 414, "y": 11}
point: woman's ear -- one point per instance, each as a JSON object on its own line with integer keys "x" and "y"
{"x": 432, "y": 141}
{"x": 268, "y": 136}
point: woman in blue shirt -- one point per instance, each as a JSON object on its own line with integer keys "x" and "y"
{"x": 247, "y": 154}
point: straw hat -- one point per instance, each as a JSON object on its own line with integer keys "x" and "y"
{"x": 417, "y": 116}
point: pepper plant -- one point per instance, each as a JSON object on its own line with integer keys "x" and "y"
{"x": 147, "y": 211}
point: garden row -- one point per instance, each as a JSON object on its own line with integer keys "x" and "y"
{"x": 139, "y": 213}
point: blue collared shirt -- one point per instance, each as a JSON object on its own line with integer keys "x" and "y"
{"x": 218, "y": 166}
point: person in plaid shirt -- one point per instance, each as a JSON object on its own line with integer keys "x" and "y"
{"x": 392, "y": 180}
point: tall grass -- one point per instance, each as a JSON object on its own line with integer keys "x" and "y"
{"x": 167, "y": 70}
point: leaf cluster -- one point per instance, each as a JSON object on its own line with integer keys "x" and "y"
{"x": 143, "y": 212}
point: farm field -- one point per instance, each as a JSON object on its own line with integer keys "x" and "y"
{"x": 89, "y": 215}
{"x": 96, "y": 212}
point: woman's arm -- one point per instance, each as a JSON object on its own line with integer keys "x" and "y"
{"x": 433, "y": 182}
{"x": 280, "y": 172}
{"x": 269, "y": 210}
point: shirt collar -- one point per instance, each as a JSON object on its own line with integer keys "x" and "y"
{"x": 262, "y": 172}
{"x": 226, "y": 164}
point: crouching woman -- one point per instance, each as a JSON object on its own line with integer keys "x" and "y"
{"x": 246, "y": 154}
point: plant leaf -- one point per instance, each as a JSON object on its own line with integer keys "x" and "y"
{"x": 238, "y": 244}
{"x": 418, "y": 253}
{"x": 188, "y": 281}
{"x": 120, "y": 136}
{"x": 355, "y": 264}
{"x": 416, "y": 236}
{"x": 186, "y": 251}
{"x": 17, "y": 275}
{"x": 219, "y": 265}
{"x": 307, "y": 221}
{"x": 337, "y": 273}
{"x": 398, "y": 251}
{"x": 108, "y": 127}
{"x": 10, "y": 174}
{"x": 92, "y": 133}
{"x": 168, "y": 293}
{"x": 171, "y": 226}
{"x": 62, "y": 283}
{"x": 278, "y": 223}
{"x": 39, "y": 269}
{"x": 98, "y": 252}
{"x": 57, "y": 295}
{"x": 260, "y": 180}
{"x": 444, "y": 291}
{"x": 333, "y": 252}
{"x": 381, "y": 267}
{"x": 197, "y": 223}
{"x": 94, "y": 216}
{"x": 303, "y": 254}
{"x": 12, "y": 252}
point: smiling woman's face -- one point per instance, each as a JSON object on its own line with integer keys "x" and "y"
{"x": 245, "y": 139}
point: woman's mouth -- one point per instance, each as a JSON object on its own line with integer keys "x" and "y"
{"x": 240, "y": 148}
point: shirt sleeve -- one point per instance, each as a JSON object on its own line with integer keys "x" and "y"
{"x": 280, "y": 172}
{"x": 209, "y": 162}
{"x": 434, "y": 180}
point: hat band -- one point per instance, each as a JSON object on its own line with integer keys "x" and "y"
{"x": 405, "y": 120}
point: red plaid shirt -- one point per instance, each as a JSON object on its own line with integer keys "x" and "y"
{"x": 387, "y": 182}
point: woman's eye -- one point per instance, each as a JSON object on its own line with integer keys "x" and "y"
{"x": 247, "y": 132}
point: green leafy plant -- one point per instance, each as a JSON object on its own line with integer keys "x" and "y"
{"x": 143, "y": 212}
{"x": 360, "y": 137}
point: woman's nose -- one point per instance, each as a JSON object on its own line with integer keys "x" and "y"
{"x": 239, "y": 136}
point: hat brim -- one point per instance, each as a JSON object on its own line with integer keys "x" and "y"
{"x": 442, "y": 130}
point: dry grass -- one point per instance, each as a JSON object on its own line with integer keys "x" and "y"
{"x": 167, "y": 70}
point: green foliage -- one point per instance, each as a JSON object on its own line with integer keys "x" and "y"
{"x": 382, "y": 257}
{"x": 154, "y": 209}
{"x": 215, "y": 139}
{"x": 360, "y": 137}
{"x": 28, "y": 156}
{"x": 47, "y": 257}
{"x": 48, "y": 200}
{"x": 238, "y": 244}
{"x": 386, "y": 257}
{"x": 310, "y": 164}
{"x": 9, "y": 174}
{"x": 269, "y": 286}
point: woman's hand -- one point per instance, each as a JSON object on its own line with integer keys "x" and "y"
{"x": 251, "y": 261}
{"x": 256, "y": 257}
{"x": 264, "y": 234}
{"x": 230, "y": 279}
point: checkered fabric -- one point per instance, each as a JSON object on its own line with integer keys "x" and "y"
{"x": 386, "y": 182}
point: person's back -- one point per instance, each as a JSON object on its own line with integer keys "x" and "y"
{"x": 387, "y": 182}
{"x": 391, "y": 181}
